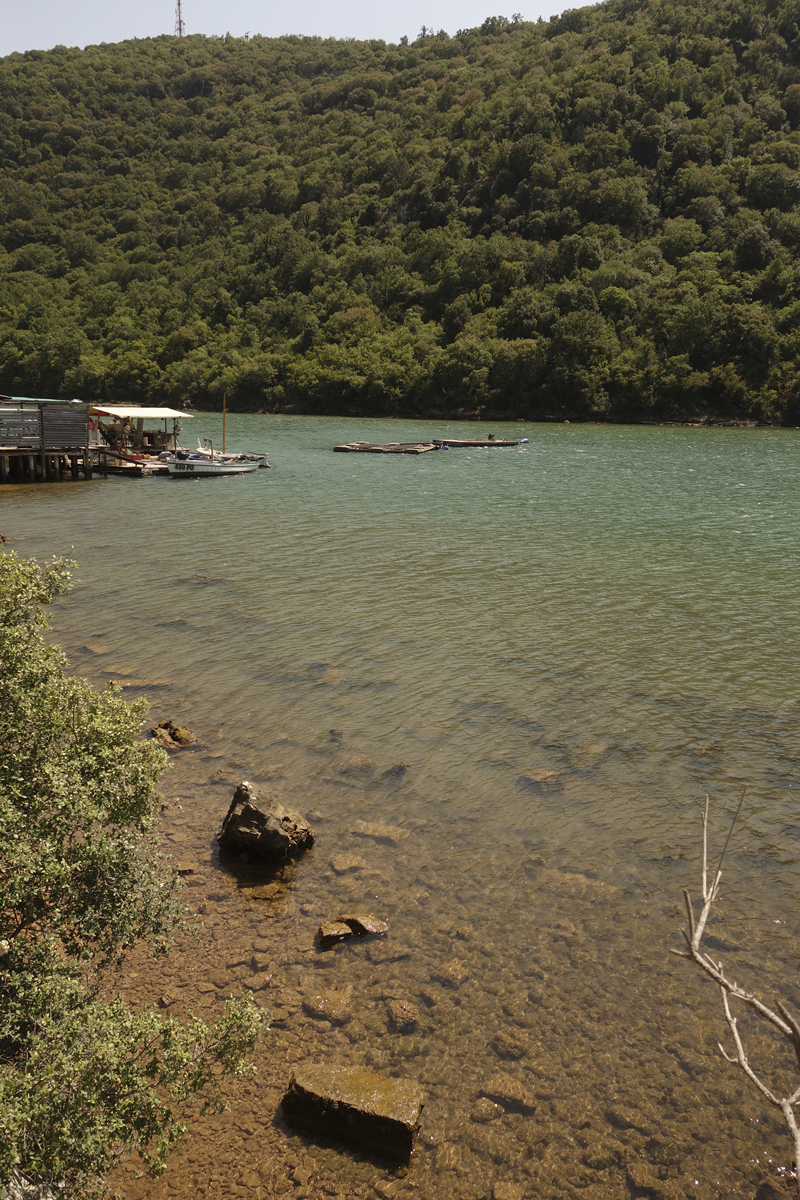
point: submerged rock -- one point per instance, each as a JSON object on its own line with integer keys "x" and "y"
{"x": 403, "y": 1016}
{"x": 330, "y": 1005}
{"x": 506, "y": 1045}
{"x": 571, "y": 884}
{"x": 484, "y": 1111}
{"x": 380, "y": 831}
{"x": 144, "y": 684}
{"x": 358, "y": 764}
{"x": 346, "y": 864}
{"x": 264, "y": 891}
{"x": 387, "y": 952}
{"x": 506, "y": 1191}
{"x": 263, "y": 828}
{"x": 397, "y": 771}
{"x": 357, "y": 1105}
{"x": 540, "y": 781}
{"x": 510, "y": 1093}
{"x": 451, "y": 974}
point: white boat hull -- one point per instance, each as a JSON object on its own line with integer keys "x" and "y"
{"x": 197, "y": 469}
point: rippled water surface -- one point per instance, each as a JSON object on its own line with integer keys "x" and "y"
{"x": 547, "y": 654}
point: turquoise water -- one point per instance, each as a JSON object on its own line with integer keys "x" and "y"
{"x": 565, "y": 644}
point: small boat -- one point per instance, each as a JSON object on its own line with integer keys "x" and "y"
{"x": 259, "y": 459}
{"x": 194, "y": 468}
{"x": 205, "y": 463}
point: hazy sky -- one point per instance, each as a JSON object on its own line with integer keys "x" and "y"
{"x": 40, "y": 24}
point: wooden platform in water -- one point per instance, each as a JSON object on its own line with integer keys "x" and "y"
{"x": 386, "y": 447}
{"x": 419, "y": 447}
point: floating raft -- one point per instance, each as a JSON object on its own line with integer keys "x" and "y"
{"x": 471, "y": 443}
{"x": 420, "y": 447}
{"x": 386, "y": 447}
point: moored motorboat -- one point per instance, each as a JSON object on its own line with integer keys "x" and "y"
{"x": 195, "y": 468}
{"x": 204, "y": 463}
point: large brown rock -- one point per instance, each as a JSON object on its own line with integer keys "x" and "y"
{"x": 171, "y": 736}
{"x": 357, "y": 1105}
{"x": 263, "y": 827}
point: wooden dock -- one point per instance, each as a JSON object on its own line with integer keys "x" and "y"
{"x": 44, "y": 440}
{"x": 21, "y": 466}
{"x": 421, "y": 447}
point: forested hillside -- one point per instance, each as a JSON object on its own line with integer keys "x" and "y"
{"x": 596, "y": 217}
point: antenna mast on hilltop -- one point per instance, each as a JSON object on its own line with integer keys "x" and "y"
{"x": 180, "y": 27}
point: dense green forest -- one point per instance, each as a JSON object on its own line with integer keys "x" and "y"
{"x": 593, "y": 217}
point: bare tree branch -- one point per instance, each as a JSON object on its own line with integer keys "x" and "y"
{"x": 782, "y": 1020}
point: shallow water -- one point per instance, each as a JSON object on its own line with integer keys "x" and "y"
{"x": 564, "y": 645}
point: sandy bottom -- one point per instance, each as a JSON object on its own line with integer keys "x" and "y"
{"x": 554, "y": 979}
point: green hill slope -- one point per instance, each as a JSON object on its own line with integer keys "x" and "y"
{"x": 597, "y": 217}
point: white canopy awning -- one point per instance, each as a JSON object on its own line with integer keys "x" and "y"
{"x": 139, "y": 414}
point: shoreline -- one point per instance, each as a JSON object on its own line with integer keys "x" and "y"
{"x": 700, "y": 423}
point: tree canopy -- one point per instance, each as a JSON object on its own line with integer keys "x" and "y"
{"x": 592, "y": 217}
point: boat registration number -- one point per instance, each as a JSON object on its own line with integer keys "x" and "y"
{"x": 184, "y": 466}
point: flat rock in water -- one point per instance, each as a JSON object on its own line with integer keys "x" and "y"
{"x": 331, "y": 932}
{"x": 363, "y": 923}
{"x": 356, "y": 1105}
{"x": 570, "y": 883}
{"x": 346, "y": 864}
{"x": 329, "y": 1005}
{"x": 263, "y": 827}
{"x": 380, "y": 831}
{"x": 510, "y": 1093}
{"x": 264, "y": 891}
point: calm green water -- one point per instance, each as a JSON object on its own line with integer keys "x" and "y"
{"x": 615, "y": 606}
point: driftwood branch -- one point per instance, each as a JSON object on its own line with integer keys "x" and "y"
{"x": 779, "y": 1018}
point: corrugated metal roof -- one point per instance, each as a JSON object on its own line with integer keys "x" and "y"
{"x": 37, "y": 400}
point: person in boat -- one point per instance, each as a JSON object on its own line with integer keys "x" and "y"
{"x": 490, "y": 437}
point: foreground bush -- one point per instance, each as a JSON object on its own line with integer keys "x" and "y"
{"x": 85, "y": 1079}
